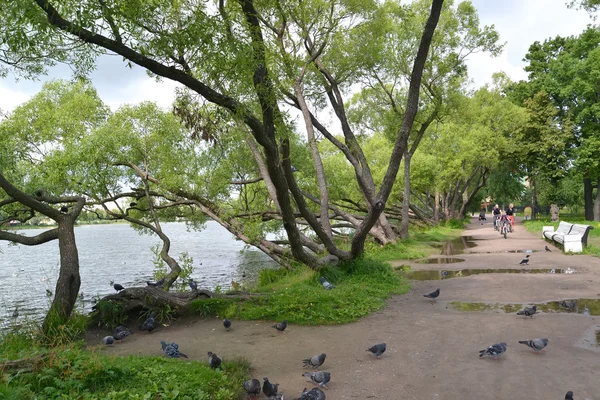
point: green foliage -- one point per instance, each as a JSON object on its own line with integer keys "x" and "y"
{"x": 109, "y": 314}
{"x": 73, "y": 372}
{"x": 57, "y": 333}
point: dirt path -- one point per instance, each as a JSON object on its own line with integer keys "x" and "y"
{"x": 432, "y": 349}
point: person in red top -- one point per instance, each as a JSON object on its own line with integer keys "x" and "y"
{"x": 510, "y": 214}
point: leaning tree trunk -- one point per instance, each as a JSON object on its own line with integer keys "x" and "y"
{"x": 69, "y": 281}
{"x": 590, "y": 211}
{"x": 597, "y": 203}
{"x": 406, "y": 197}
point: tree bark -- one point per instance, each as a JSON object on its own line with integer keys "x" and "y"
{"x": 597, "y": 203}
{"x": 533, "y": 199}
{"x": 554, "y": 212}
{"x": 405, "y": 197}
{"x": 436, "y": 207}
{"x": 588, "y": 199}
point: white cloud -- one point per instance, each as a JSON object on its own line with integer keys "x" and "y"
{"x": 11, "y": 97}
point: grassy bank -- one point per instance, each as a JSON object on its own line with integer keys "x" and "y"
{"x": 593, "y": 247}
{"x": 73, "y": 372}
{"x": 361, "y": 286}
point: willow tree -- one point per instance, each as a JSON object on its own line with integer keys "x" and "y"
{"x": 217, "y": 52}
{"x": 35, "y": 178}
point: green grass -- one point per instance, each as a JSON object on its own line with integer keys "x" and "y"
{"x": 593, "y": 247}
{"x": 361, "y": 286}
{"x": 72, "y": 372}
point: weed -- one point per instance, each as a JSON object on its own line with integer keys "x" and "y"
{"x": 109, "y": 314}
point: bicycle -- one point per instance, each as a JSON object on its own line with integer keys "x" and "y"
{"x": 505, "y": 228}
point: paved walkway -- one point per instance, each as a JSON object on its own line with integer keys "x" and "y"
{"x": 432, "y": 349}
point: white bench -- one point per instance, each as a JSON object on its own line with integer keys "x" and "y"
{"x": 571, "y": 236}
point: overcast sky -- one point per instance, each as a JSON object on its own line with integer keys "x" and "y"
{"x": 519, "y": 22}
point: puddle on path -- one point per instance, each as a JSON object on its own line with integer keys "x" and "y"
{"x": 457, "y": 246}
{"x": 429, "y": 275}
{"x": 579, "y": 306}
{"x": 441, "y": 260}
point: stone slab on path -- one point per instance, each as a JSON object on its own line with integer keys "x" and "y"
{"x": 432, "y": 349}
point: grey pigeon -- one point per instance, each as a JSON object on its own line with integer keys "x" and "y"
{"x": 321, "y": 378}
{"x": 525, "y": 261}
{"x": 149, "y": 324}
{"x": 568, "y": 304}
{"x": 213, "y": 360}
{"x": 269, "y": 389}
{"x": 15, "y": 313}
{"x": 528, "y": 311}
{"x": 315, "y": 361}
{"x": 276, "y": 397}
{"x": 433, "y": 295}
{"x": 118, "y": 287}
{"x": 378, "y": 349}
{"x": 107, "y": 340}
{"x": 280, "y": 326}
{"x": 172, "y": 350}
{"x": 121, "y": 332}
{"x": 313, "y": 394}
{"x": 536, "y": 344}
{"x": 326, "y": 285}
{"x": 547, "y": 249}
{"x": 569, "y": 395}
{"x": 227, "y": 324}
{"x": 193, "y": 285}
{"x": 252, "y": 388}
{"x": 586, "y": 311}
{"x": 495, "y": 350}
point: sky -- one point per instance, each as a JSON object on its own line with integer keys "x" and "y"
{"x": 519, "y": 23}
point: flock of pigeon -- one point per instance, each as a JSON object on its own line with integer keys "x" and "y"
{"x": 498, "y": 349}
{"x": 320, "y": 378}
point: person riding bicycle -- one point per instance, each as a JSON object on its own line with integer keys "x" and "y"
{"x": 496, "y": 212}
{"x": 510, "y": 214}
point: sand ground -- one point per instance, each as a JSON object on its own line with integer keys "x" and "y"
{"x": 432, "y": 350}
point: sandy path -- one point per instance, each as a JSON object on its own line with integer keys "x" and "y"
{"x": 432, "y": 350}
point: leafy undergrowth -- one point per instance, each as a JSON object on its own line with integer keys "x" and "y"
{"x": 72, "y": 372}
{"x": 593, "y": 247}
{"x": 361, "y": 287}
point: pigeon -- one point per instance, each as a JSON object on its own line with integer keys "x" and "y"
{"x": 547, "y": 248}
{"x": 48, "y": 293}
{"x": 118, "y": 287}
{"x": 313, "y": 394}
{"x": 158, "y": 283}
{"x": 108, "y": 340}
{"x": 276, "y": 397}
{"x": 569, "y": 395}
{"x": 315, "y": 361}
{"x": 280, "y": 326}
{"x": 269, "y": 389}
{"x": 586, "y": 312}
{"x": 570, "y": 305}
{"x": 15, "y": 313}
{"x": 377, "y": 350}
{"x": 433, "y": 295}
{"x": 495, "y": 350}
{"x": 528, "y": 311}
{"x": 536, "y": 344}
{"x": 252, "y": 388}
{"x": 227, "y": 324}
{"x": 326, "y": 285}
{"x": 321, "y": 378}
{"x": 149, "y": 324}
{"x": 193, "y": 285}
{"x": 121, "y": 332}
{"x": 213, "y": 360}
{"x": 525, "y": 261}
{"x": 172, "y": 350}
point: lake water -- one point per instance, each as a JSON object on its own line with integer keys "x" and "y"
{"x": 117, "y": 252}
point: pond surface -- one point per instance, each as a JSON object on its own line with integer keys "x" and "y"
{"x": 426, "y": 275}
{"x": 117, "y": 252}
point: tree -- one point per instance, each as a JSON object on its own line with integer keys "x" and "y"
{"x": 34, "y": 177}
{"x": 223, "y": 57}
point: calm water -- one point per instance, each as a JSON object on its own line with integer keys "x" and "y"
{"x": 117, "y": 252}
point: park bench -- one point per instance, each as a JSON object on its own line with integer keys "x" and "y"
{"x": 571, "y": 236}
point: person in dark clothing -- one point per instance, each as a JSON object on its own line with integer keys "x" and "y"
{"x": 482, "y": 216}
{"x": 496, "y": 212}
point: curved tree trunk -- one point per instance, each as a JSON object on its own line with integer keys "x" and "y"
{"x": 69, "y": 281}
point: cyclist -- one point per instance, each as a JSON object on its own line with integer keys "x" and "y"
{"x": 503, "y": 220}
{"x": 496, "y": 211}
{"x": 510, "y": 214}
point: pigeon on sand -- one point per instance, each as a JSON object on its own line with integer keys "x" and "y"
{"x": 536, "y": 344}
{"x": 433, "y": 295}
{"x": 227, "y": 324}
{"x": 495, "y": 350}
{"x": 213, "y": 360}
{"x": 321, "y": 378}
{"x": 172, "y": 350}
{"x": 268, "y": 388}
{"x": 525, "y": 261}
{"x": 252, "y": 388}
{"x": 280, "y": 326}
{"x": 378, "y": 349}
{"x": 315, "y": 361}
{"x": 149, "y": 324}
{"x": 313, "y": 394}
{"x": 528, "y": 311}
